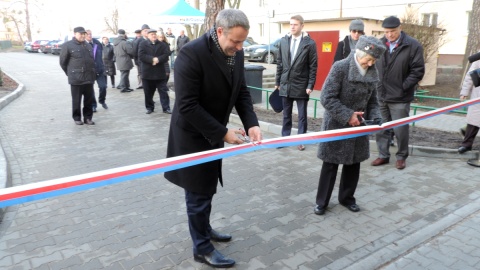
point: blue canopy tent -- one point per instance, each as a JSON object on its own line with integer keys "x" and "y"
{"x": 181, "y": 13}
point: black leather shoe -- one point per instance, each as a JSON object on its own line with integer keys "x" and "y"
{"x": 319, "y": 210}
{"x": 463, "y": 149}
{"x": 104, "y": 105}
{"x": 78, "y": 123}
{"x": 214, "y": 259}
{"x": 140, "y": 87}
{"x": 219, "y": 237}
{"x": 167, "y": 111}
{"x": 149, "y": 111}
{"x": 129, "y": 89}
{"x": 125, "y": 90}
{"x": 352, "y": 207}
{"x": 89, "y": 122}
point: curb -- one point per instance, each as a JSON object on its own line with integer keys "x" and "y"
{"x": 419, "y": 151}
{"x": 5, "y": 177}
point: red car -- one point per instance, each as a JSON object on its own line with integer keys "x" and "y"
{"x": 35, "y": 46}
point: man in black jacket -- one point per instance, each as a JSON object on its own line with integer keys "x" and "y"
{"x": 296, "y": 74}
{"x": 143, "y": 36}
{"x": 400, "y": 69}
{"x": 76, "y": 60}
{"x": 152, "y": 55}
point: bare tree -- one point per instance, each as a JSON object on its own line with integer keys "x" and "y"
{"x": 234, "y": 3}
{"x": 213, "y": 7}
{"x": 112, "y": 23}
{"x": 473, "y": 40}
{"x": 194, "y": 31}
{"x": 9, "y": 17}
{"x": 18, "y": 11}
{"x": 432, "y": 37}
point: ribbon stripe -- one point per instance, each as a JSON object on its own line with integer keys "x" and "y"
{"x": 61, "y": 186}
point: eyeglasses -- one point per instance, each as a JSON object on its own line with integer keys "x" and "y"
{"x": 358, "y": 31}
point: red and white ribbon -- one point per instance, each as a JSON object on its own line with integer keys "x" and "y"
{"x": 56, "y": 187}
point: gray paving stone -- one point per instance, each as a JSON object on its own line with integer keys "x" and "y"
{"x": 266, "y": 203}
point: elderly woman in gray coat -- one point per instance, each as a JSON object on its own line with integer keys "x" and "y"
{"x": 348, "y": 96}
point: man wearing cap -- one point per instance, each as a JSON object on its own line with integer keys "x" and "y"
{"x": 76, "y": 60}
{"x": 348, "y": 43}
{"x": 152, "y": 56}
{"x": 123, "y": 57}
{"x": 349, "y": 96}
{"x": 141, "y": 37}
{"x": 400, "y": 69}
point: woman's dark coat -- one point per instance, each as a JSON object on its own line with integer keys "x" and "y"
{"x": 205, "y": 93}
{"x": 346, "y": 91}
{"x": 109, "y": 60}
{"x": 343, "y": 49}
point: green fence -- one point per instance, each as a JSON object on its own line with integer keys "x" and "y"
{"x": 5, "y": 44}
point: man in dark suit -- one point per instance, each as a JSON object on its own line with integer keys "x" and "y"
{"x": 209, "y": 82}
{"x": 152, "y": 56}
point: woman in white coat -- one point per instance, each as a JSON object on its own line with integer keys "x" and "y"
{"x": 473, "y": 114}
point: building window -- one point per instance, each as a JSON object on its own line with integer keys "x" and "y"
{"x": 430, "y": 19}
{"x": 262, "y": 29}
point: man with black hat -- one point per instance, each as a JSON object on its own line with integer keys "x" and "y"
{"x": 400, "y": 69}
{"x": 143, "y": 36}
{"x": 152, "y": 56}
{"x": 123, "y": 56}
{"x": 76, "y": 60}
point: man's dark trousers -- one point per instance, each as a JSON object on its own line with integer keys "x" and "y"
{"x": 149, "y": 87}
{"x": 124, "y": 79}
{"x": 287, "y": 115}
{"x": 199, "y": 207}
{"x": 102, "y": 90}
{"x": 85, "y": 90}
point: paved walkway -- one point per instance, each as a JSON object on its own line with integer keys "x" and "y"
{"x": 423, "y": 217}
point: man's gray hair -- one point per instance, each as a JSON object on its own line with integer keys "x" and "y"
{"x": 230, "y": 18}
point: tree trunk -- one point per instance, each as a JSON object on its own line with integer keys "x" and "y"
{"x": 27, "y": 20}
{"x": 213, "y": 7}
{"x": 473, "y": 41}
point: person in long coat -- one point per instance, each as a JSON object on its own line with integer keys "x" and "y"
{"x": 349, "y": 95}
{"x": 473, "y": 113}
{"x": 209, "y": 82}
{"x": 124, "y": 54}
{"x": 109, "y": 60}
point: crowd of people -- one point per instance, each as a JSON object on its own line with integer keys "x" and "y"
{"x": 152, "y": 52}
{"x": 371, "y": 81}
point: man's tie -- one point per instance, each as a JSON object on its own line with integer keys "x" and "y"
{"x": 292, "y": 50}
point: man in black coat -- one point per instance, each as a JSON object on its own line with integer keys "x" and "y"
{"x": 152, "y": 56}
{"x": 209, "y": 82}
{"x": 76, "y": 60}
{"x": 296, "y": 74}
{"x": 139, "y": 38}
{"x": 400, "y": 69}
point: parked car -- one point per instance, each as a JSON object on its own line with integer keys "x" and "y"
{"x": 47, "y": 47}
{"x": 35, "y": 46}
{"x": 248, "y": 42}
{"x": 57, "y": 47}
{"x": 260, "y": 53}
{"x": 27, "y": 47}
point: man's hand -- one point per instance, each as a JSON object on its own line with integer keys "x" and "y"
{"x": 255, "y": 134}
{"x": 155, "y": 61}
{"x": 309, "y": 91}
{"x": 232, "y": 136}
{"x": 462, "y": 98}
